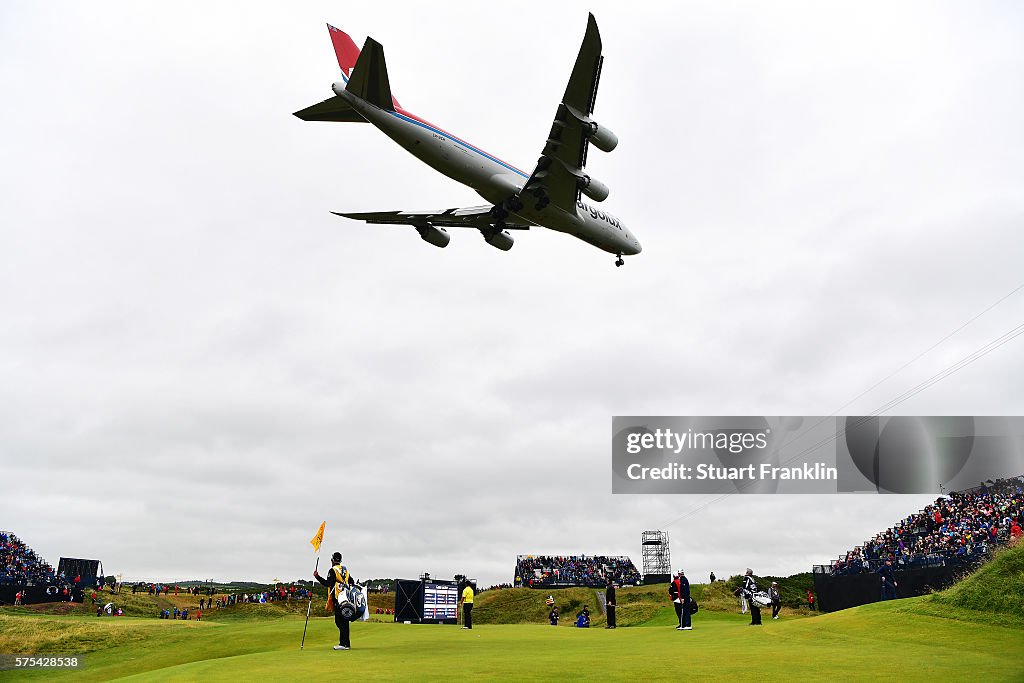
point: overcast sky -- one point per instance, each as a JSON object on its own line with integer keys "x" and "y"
{"x": 199, "y": 363}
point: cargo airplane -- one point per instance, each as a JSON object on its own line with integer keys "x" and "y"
{"x": 549, "y": 197}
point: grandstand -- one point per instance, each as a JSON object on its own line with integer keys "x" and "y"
{"x": 20, "y": 565}
{"x": 547, "y": 571}
{"x": 929, "y": 549}
{"x": 959, "y": 528}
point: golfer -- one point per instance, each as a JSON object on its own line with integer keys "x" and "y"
{"x": 679, "y": 593}
{"x": 749, "y": 588}
{"x": 337, "y": 583}
{"x": 609, "y": 598}
{"x": 773, "y": 593}
{"x": 467, "y": 606}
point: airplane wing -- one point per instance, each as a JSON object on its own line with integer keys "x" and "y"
{"x": 331, "y": 109}
{"x": 559, "y": 172}
{"x": 478, "y": 217}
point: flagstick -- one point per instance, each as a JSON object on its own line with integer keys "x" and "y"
{"x": 309, "y": 607}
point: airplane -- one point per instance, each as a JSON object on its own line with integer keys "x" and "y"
{"x": 549, "y": 197}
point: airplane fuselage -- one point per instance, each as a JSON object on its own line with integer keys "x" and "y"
{"x": 492, "y": 178}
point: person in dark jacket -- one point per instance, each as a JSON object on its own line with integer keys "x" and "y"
{"x": 749, "y": 588}
{"x": 609, "y": 599}
{"x": 773, "y": 593}
{"x": 888, "y": 581}
{"x": 679, "y": 592}
{"x": 673, "y": 595}
{"x": 336, "y": 582}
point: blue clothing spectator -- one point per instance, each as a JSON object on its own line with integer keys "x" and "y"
{"x": 888, "y": 581}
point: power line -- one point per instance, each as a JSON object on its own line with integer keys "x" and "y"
{"x": 926, "y": 351}
{"x": 910, "y": 362}
{"x": 931, "y": 381}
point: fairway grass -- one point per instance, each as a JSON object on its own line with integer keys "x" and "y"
{"x": 905, "y": 640}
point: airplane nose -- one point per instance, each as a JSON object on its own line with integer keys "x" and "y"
{"x": 632, "y": 247}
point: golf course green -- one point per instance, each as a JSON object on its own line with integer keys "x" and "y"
{"x": 959, "y": 634}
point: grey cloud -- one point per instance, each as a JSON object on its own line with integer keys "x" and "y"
{"x": 199, "y": 359}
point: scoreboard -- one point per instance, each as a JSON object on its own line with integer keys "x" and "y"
{"x": 427, "y": 601}
{"x": 440, "y": 601}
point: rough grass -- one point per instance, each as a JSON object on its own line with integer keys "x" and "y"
{"x": 134, "y": 605}
{"x": 149, "y": 606}
{"x": 996, "y": 588}
{"x": 637, "y": 605}
{"x": 792, "y": 589}
{"x": 20, "y": 634}
{"x": 527, "y": 606}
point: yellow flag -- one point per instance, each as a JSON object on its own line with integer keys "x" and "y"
{"x": 319, "y": 538}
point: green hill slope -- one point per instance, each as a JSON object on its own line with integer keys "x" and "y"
{"x": 149, "y": 606}
{"x": 637, "y": 605}
{"x": 996, "y": 588}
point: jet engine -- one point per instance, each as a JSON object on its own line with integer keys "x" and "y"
{"x": 594, "y": 189}
{"x": 439, "y": 237}
{"x": 601, "y": 137}
{"x": 499, "y": 239}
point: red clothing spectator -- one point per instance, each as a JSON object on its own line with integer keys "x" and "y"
{"x": 1015, "y": 531}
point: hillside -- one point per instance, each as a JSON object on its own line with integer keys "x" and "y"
{"x": 637, "y": 605}
{"x": 995, "y": 588}
{"x": 147, "y": 605}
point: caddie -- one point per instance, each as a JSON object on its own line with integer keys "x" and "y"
{"x": 337, "y": 582}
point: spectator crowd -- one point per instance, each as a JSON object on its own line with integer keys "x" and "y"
{"x": 279, "y": 592}
{"x": 958, "y": 528}
{"x": 19, "y": 564}
{"x": 595, "y": 571}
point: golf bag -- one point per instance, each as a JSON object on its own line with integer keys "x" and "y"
{"x": 693, "y": 606}
{"x": 761, "y": 599}
{"x": 350, "y": 600}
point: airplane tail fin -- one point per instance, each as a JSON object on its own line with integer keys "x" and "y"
{"x": 345, "y": 49}
{"x": 369, "y": 77}
{"x": 365, "y": 75}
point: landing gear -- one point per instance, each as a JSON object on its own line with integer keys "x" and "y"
{"x": 499, "y": 214}
{"x": 513, "y": 203}
{"x": 619, "y": 262}
{"x": 542, "y": 199}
